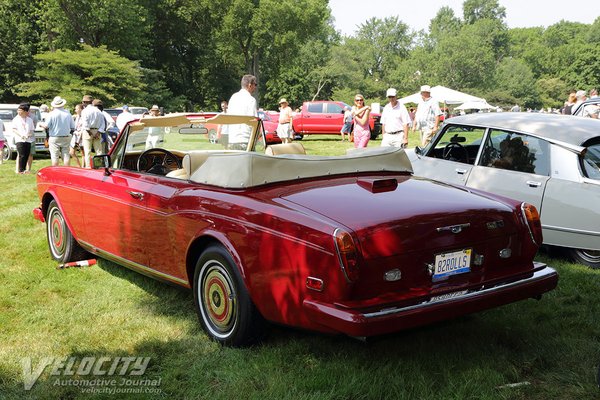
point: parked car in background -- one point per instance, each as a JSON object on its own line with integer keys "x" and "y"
{"x": 114, "y": 112}
{"x": 270, "y": 126}
{"x": 7, "y": 113}
{"x": 593, "y": 103}
{"x": 138, "y": 110}
{"x": 259, "y": 235}
{"x": 550, "y": 161}
{"x": 326, "y": 117}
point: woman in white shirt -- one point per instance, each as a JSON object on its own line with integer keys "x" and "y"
{"x": 23, "y": 130}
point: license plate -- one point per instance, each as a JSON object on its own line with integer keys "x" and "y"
{"x": 447, "y": 264}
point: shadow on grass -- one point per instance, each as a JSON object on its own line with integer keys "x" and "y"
{"x": 548, "y": 343}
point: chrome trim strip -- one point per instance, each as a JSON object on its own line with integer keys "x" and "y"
{"x": 339, "y": 255}
{"x": 130, "y": 264}
{"x": 537, "y": 275}
{"x": 315, "y": 280}
{"x": 526, "y": 221}
{"x": 570, "y": 230}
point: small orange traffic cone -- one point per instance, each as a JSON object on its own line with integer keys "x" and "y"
{"x": 84, "y": 263}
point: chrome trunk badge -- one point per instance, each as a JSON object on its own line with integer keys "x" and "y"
{"x": 453, "y": 228}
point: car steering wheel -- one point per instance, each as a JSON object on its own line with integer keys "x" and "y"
{"x": 451, "y": 148}
{"x": 153, "y": 165}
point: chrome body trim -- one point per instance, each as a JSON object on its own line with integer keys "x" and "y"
{"x": 132, "y": 265}
{"x": 540, "y": 273}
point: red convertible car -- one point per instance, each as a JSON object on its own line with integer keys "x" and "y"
{"x": 259, "y": 234}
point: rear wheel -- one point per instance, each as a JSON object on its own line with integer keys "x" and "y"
{"x": 63, "y": 247}
{"x": 591, "y": 258}
{"x": 6, "y": 152}
{"x": 224, "y": 307}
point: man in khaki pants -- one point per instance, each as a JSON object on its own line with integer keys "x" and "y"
{"x": 91, "y": 118}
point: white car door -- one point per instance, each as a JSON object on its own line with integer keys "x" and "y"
{"x": 513, "y": 165}
{"x": 450, "y": 157}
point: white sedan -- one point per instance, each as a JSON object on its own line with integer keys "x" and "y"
{"x": 551, "y": 161}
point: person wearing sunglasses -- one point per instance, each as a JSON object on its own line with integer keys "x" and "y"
{"x": 361, "y": 113}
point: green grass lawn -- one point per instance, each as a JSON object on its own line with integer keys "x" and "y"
{"x": 551, "y": 347}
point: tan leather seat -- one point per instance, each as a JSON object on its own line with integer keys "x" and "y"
{"x": 285, "y": 148}
{"x": 190, "y": 163}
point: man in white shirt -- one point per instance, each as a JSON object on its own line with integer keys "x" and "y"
{"x": 60, "y": 124}
{"x": 91, "y": 120}
{"x": 394, "y": 122}
{"x": 124, "y": 118}
{"x": 242, "y": 103}
{"x": 427, "y": 118}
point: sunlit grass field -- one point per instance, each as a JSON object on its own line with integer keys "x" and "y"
{"x": 549, "y": 348}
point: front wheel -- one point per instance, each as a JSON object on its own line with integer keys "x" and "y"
{"x": 591, "y": 258}
{"x": 63, "y": 247}
{"x": 223, "y": 304}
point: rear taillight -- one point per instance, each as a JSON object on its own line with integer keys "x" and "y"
{"x": 347, "y": 254}
{"x": 531, "y": 215}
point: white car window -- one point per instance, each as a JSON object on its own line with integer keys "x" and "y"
{"x": 516, "y": 152}
{"x": 457, "y": 143}
{"x": 591, "y": 162}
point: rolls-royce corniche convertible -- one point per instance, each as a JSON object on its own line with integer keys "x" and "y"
{"x": 351, "y": 244}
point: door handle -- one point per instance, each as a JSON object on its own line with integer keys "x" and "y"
{"x": 136, "y": 195}
{"x": 461, "y": 171}
{"x": 534, "y": 184}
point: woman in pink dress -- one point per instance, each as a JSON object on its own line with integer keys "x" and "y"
{"x": 362, "y": 133}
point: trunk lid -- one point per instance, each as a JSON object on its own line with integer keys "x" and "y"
{"x": 405, "y": 227}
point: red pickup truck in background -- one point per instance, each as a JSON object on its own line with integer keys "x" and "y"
{"x": 326, "y": 117}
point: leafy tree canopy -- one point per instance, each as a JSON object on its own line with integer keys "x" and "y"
{"x": 90, "y": 70}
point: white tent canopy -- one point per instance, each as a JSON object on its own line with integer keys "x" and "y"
{"x": 443, "y": 95}
{"x": 475, "y": 105}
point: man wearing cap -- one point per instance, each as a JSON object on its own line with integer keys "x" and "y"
{"x": 91, "y": 120}
{"x": 154, "y": 132}
{"x": 284, "y": 129}
{"x": 60, "y": 124}
{"x": 394, "y": 122}
{"x": 427, "y": 117}
{"x": 242, "y": 103}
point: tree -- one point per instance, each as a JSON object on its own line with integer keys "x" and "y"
{"x": 475, "y": 10}
{"x": 72, "y": 73}
{"x": 386, "y": 42}
{"x": 552, "y": 92}
{"x": 515, "y": 78}
{"x": 267, "y": 36}
{"x": 445, "y": 23}
{"x": 467, "y": 60}
{"x": 120, "y": 25}
{"x": 19, "y": 42}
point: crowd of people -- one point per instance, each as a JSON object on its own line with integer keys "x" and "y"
{"x": 87, "y": 128}
{"x": 395, "y": 121}
{"x": 68, "y": 136}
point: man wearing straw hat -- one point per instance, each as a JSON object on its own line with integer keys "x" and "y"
{"x": 427, "y": 118}
{"x": 60, "y": 124}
